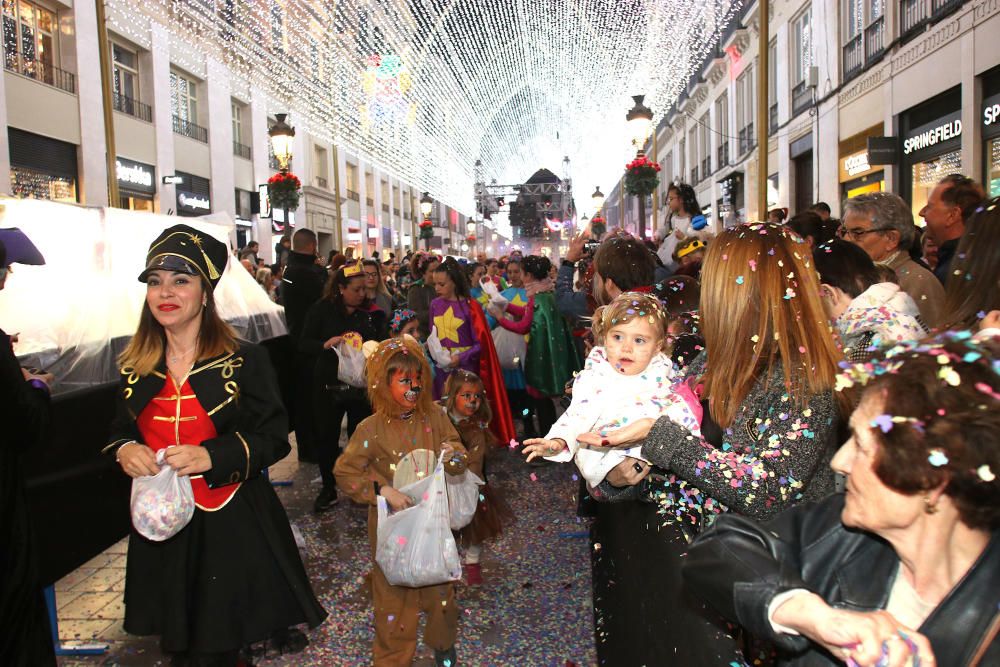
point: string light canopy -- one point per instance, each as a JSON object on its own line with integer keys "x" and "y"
{"x": 424, "y": 88}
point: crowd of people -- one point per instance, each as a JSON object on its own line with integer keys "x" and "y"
{"x": 787, "y": 432}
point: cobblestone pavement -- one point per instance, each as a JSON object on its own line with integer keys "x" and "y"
{"x": 533, "y": 610}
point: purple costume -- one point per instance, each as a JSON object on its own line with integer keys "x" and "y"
{"x": 453, "y": 321}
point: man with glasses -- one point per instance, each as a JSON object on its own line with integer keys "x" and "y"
{"x": 881, "y": 224}
{"x": 953, "y": 201}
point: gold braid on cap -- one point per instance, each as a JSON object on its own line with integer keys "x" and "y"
{"x": 213, "y": 273}
{"x": 354, "y": 270}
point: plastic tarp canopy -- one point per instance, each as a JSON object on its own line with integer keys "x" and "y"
{"x": 75, "y": 314}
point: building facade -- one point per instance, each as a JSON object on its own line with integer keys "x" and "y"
{"x": 190, "y": 128}
{"x": 924, "y": 75}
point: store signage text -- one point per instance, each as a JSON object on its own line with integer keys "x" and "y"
{"x": 134, "y": 176}
{"x": 173, "y": 180}
{"x": 991, "y": 110}
{"x": 857, "y": 163}
{"x": 191, "y": 201}
{"x": 933, "y": 136}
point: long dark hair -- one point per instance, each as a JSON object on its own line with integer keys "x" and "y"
{"x": 973, "y": 287}
{"x": 537, "y": 266}
{"x": 689, "y": 200}
{"x": 451, "y": 267}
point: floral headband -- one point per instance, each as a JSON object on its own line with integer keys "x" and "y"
{"x": 400, "y": 318}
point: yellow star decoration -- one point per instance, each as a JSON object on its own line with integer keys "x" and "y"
{"x": 447, "y": 325}
{"x": 518, "y": 300}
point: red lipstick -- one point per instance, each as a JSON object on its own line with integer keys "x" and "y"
{"x": 167, "y": 307}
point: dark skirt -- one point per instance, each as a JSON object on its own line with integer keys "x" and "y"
{"x": 492, "y": 514}
{"x": 230, "y": 578}
{"x": 643, "y": 612}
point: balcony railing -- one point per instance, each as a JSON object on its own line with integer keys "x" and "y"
{"x": 135, "y": 108}
{"x": 723, "y": 154}
{"x": 874, "y": 40}
{"x": 395, "y": 212}
{"x": 241, "y": 150}
{"x": 352, "y": 194}
{"x": 694, "y": 175}
{"x": 941, "y": 8}
{"x": 189, "y": 129}
{"x": 320, "y": 182}
{"x": 912, "y": 15}
{"x": 854, "y": 60}
{"x": 40, "y": 71}
{"x": 706, "y": 167}
{"x": 369, "y": 201}
{"x": 801, "y": 98}
{"x": 385, "y": 208}
{"x": 772, "y": 118}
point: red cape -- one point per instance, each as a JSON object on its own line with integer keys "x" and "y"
{"x": 492, "y": 377}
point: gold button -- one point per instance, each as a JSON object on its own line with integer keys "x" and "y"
{"x": 235, "y": 477}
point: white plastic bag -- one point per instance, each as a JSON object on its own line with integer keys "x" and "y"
{"x": 351, "y": 368}
{"x": 439, "y": 354}
{"x": 511, "y": 348}
{"x": 495, "y": 298}
{"x": 463, "y": 497}
{"x": 415, "y": 546}
{"x": 162, "y": 504}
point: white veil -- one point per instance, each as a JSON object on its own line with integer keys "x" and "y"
{"x": 75, "y": 314}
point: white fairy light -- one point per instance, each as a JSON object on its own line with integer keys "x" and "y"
{"x": 424, "y": 88}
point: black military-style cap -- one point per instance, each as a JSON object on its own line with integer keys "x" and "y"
{"x": 186, "y": 250}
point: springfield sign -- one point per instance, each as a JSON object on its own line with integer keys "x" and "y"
{"x": 929, "y": 136}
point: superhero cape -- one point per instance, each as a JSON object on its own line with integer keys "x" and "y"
{"x": 491, "y": 374}
{"x": 551, "y": 350}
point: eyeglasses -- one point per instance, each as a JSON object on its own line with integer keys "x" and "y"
{"x": 371, "y": 274}
{"x": 858, "y": 234}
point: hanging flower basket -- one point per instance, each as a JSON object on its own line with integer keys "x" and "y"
{"x": 283, "y": 191}
{"x": 471, "y": 238}
{"x": 642, "y": 175}
{"x": 426, "y": 229}
{"x": 597, "y": 227}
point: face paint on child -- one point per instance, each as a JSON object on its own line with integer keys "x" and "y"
{"x": 405, "y": 388}
{"x": 468, "y": 399}
{"x": 631, "y": 345}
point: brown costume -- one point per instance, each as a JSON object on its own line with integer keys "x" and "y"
{"x": 492, "y": 512}
{"x": 371, "y": 456}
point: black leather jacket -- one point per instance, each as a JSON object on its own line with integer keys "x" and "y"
{"x": 739, "y": 565}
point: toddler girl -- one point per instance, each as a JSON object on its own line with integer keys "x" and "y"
{"x": 405, "y": 419}
{"x": 627, "y": 377}
{"x": 469, "y": 411}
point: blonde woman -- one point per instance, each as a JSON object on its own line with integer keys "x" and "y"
{"x": 766, "y": 383}
{"x": 237, "y": 553}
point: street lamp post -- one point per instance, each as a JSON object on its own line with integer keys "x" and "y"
{"x": 282, "y": 135}
{"x": 426, "y": 206}
{"x": 639, "y": 120}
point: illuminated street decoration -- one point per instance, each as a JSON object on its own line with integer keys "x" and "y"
{"x": 424, "y": 88}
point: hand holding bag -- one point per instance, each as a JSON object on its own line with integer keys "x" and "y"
{"x": 351, "y": 369}
{"x": 415, "y": 546}
{"x": 161, "y": 504}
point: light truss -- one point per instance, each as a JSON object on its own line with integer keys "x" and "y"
{"x": 424, "y": 88}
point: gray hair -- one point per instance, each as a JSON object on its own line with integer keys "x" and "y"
{"x": 885, "y": 211}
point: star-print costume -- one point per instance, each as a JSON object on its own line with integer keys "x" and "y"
{"x": 462, "y": 329}
{"x": 606, "y": 400}
{"x": 376, "y": 447}
{"x": 513, "y": 378}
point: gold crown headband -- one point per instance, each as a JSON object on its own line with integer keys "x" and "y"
{"x": 354, "y": 270}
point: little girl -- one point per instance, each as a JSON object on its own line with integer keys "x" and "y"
{"x": 405, "y": 419}
{"x": 627, "y": 377}
{"x": 469, "y": 411}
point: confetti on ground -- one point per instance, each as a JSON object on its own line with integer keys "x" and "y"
{"x": 533, "y": 608}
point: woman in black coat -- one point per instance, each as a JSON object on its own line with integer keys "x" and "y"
{"x": 344, "y": 308}
{"x": 209, "y": 404}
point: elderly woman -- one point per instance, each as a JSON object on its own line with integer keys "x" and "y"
{"x": 867, "y": 313}
{"x": 232, "y": 576}
{"x": 766, "y": 384}
{"x": 903, "y": 568}
{"x": 881, "y": 223}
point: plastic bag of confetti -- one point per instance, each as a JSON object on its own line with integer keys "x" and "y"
{"x": 162, "y": 504}
{"x": 463, "y": 496}
{"x": 511, "y": 348}
{"x": 351, "y": 368}
{"x": 495, "y": 298}
{"x": 439, "y": 354}
{"x": 415, "y": 546}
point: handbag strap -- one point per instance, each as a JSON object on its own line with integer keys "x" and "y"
{"x": 984, "y": 645}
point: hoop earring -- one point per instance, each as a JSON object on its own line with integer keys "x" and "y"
{"x": 929, "y": 507}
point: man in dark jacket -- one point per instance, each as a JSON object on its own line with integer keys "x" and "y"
{"x": 26, "y": 640}
{"x": 950, "y": 205}
{"x": 301, "y": 287}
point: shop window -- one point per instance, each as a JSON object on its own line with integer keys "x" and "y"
{"x": 993, "y": 167}
{"x": 927, "y": 174}
{"x": 29, "y": 40}
{"x": 30, "y": 184}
